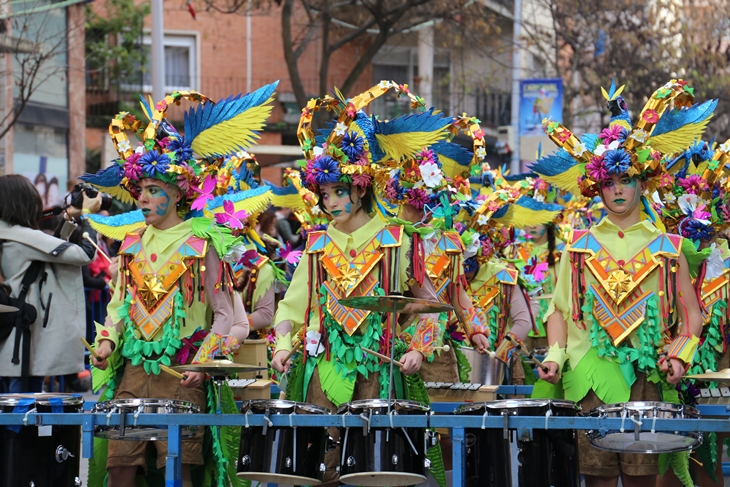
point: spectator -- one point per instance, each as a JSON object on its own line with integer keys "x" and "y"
{"x": 57, "y": 295}
{"x": 284, "y": 227}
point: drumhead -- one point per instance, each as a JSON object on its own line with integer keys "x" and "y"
{"x": 654, "y": 408}
{"x": 148, "y": 405}
{"x": 277, "y": 478}
{"x": 42, "y": 398}
{"x": 497, "y": 407}
{"x": 382, "y": 479}
{"x": 380, "y": 406}
{"x": 659, "y": 442}
{"x": 280, "y": 406}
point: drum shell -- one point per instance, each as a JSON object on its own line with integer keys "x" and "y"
{"x": 32, "y": 458}
{"x": 143, "y": 406}
{"x": 549, "y": 457}
{"x": 270, "y": 457}
{"x": 383, "y": 450}
{"x": 491, "y": 370}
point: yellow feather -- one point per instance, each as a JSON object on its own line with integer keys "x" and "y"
{"x": 521, "y": 217}
{"x": 618, "y": 92}
{"x": 293, "y": 201}
{"x": 605, "y": 94}
{"x": 567, "y": 180}
{"x": 117, "y": 233}
{"x": 234, "y": 134}
{"x": 408, "y": 144}
{"x": 680, "y": 139}
{"x": 450, "y": 167}
{"x": 622, "y": 123}
{"x": 117, "y": 192}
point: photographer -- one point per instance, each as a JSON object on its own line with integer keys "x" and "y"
{"x": 47, "y": 340}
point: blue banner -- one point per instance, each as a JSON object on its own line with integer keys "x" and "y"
{"x": 539, "y": 98}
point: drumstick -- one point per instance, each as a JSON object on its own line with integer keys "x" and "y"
{"x": 381, "y": 356}
{"x": 293, "y": 350}
{"x": 91, "y": 350}
{"x": 526, "y": 354}
{"x": 86, "y": 236}
{"x": 170, "y": 371}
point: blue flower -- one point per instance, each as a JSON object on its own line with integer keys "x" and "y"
{"x": 326, "y": 170}
{"x": 181, "y": 147}
{"x": 352, "y": 145}
{"x": 617, "y": 161}
{"x": 695, "y": 230}
{"x": 154, "y": 164}
{"x": 471, "y": 265}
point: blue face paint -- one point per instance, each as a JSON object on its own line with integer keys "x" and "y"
{"x": 161, "y": 209}
{"x": 348, "y": 208}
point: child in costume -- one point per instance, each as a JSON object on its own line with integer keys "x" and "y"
{"x": 695, "y": 205}
{"x": 429, "y": 191}
{"x": 356, "y": 256}
{"x": 624, "y": 319}
{"x": 175, "y": 285}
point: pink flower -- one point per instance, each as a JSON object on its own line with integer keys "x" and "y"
{"x": 694, "y": 184}
{"x": 650, "y": 116}
{"x": 160, "y": 105}
{"x": 417, "y": 198}
{"x": 390, "y": 191}
{"x": 478, "y": 134}
{"x": 611, "y": 133}
{"x": 350, "y": 110}
{"x": 133, "y": 170}
{"x": 564, "y": 135}
{"x": 596, "y": 169}
{"x": 309, "y": 177}
{"x": 426, "y": 156}
{"x": 362, "y": 180}
{"x": 666, "y": 180}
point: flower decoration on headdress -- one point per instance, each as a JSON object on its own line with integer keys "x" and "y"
{"x": 696, "y": 200}
{"x": 625, "y": 148}
{"x": 357, "y": 148}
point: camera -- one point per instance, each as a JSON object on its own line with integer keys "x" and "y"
{"x": 77, "y": 196}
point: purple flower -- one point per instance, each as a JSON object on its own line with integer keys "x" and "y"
{"x": 596, "y": 170}
{"x": 417, "y": 198}
{"x": 352, "y": 145}
{"x": 617, "y": 161}
{"x": 133, "y": 170}
{"x": 154, "y": 164}
{"x": 326, "y": 170}
{"x": 694, "y": 184}
{"x": 614, "y": 132}
{"x": 181, "y": 148}
{"x": 362, "y": 180}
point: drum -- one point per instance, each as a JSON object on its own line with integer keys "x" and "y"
{"x": 282, "y": 455}
{"x": 126, "y": 431}
{"x": 524, "y": 458}
{"x": 43, "y": 456}
{"x": 383, "y": 456}
{"x": 632, "y": 440}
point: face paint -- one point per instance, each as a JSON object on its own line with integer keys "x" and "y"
{"x": 161, "y": 209}
{"x": 337, "y": 201}
{"x": 620, "y": 193}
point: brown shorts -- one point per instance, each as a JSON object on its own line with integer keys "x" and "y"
{"x": 603, "y": 463}
{"x": 364, "y": 389}
{"x": 444, "y": 368}
{"x": 136, "y": 384}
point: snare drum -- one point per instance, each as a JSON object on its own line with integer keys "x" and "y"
{"x": 632, "y": 440}
{"x": 383, "y": 456}
{"x": 524, "y": 458}
{"x": 282, "y": 455}
{"x": 126, "y": 431}
{"x": 43, "y": 456}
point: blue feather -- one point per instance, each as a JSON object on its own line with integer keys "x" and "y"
{"x": 128, "y": 218}
{"x": 203, "y": 117}
{"x": 146, "y": 106}
{"x": 519, "y": 177}
{"x": 108, "y": 177}
{"x": 556, "y": 163}
{"x": 453, "y": 151}
{"x": 676, "y": 119}
{"x": 501, "y": 212}
{"x": 281, "y": 191}
{"x": 217, "y": 202}
{"x": 590, "y": 141}
{"x": 418, "y": 122}
{"x": 612, "y": 90}
{"x": 534, "y": 205}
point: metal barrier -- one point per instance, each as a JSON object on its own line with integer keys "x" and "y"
{"x": 457, "y": 425}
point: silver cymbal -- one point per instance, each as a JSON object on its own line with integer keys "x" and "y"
{"x": 219, "y": 367}
{"x": 402, "y": 304}
{"x": 719, "y": 376}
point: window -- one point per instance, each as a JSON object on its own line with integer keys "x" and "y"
{"x": 181, "y": 63}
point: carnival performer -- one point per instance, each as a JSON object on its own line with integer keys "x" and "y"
{"x": 175, "y": 286}
{"x": 695, "y": 205}
{"x": 429, "y": 191}
{"x": 624, "y": 319}
{"x": 357, "y": 255}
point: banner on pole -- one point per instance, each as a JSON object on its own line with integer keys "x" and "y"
{"x": 539, "y": 99}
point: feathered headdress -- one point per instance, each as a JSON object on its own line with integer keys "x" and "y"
{"x": 621, "y": 148}
{"x": 212, "y": 130}
{"x": 357, "y": 145}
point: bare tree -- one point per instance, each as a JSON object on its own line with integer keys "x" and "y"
{"x": 36, "y": 46}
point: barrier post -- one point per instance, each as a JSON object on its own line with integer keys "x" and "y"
{"x": 173, "y": 465}
{"x": 459, "y": 456}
